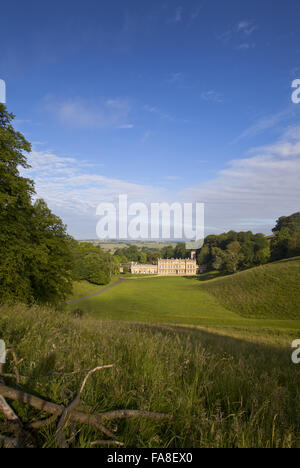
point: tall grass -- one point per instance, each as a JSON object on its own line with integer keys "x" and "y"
{"x": 221, "y": 392}
{"x": 269, "y": 291}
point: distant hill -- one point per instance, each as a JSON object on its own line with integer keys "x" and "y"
{"x": 268, "y": 291}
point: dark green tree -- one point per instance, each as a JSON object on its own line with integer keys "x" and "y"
{"x": 35, "y": 259}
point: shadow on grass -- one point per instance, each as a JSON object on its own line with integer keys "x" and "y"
{"x": 210, "y": 275}
{"x": 264, "y": 354}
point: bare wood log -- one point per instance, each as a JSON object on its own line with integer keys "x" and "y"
{"x": 42, "y": 422}
{"x": 93, "y": 419}
{"x": 8, "y": 411}
{"x": 65, "y": 416}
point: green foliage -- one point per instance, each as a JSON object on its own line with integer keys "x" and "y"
{"x": 35, "y": 255}
{"x": 180, "y": 251}
{"x": 91, "y": 263}
{"x": 233, "y": 251}
{"x": 286, "y": 241}
{"x": 292, "y": 223}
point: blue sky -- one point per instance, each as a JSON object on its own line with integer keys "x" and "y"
{"x": 163, "y": 100}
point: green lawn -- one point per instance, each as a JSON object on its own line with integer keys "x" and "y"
{"x": 183, "y": 301}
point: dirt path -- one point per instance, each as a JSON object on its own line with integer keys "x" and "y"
{"x": 96, "y": 293}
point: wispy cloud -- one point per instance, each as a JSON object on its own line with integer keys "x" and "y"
{"x": 212, "y": 96}
{"x": 246, "y": 27}
{"x": 245, "y": 46}
{"x": 157, "y": 111}
{"x": 175, "y": 78}
{"x": 73, "y": 189}
{"x": 252, "y": 192}
{"x": 82, "y": 113}
{"x": 237, "y": 34}
{"x": 146, "y": 136}
{"x": 267, "y": 122}
{"x": 177, "y": 16}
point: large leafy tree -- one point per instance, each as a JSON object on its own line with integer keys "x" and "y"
{"x": 93, "y": 264}
{"x": 35, "y": 255}
{"x": 286, "y": 240}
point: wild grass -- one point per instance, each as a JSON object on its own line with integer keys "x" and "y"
{"x": 221, "y": 391}
{"x": 184, "y": 301}
{"x": 268, "y": 291}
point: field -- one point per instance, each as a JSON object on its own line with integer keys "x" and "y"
{"x": 226, "y": 380}
{"x": 245, "y": 304}
{"x": 111, "y": 247}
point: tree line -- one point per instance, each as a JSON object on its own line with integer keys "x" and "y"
{"x": 150, "y": 255}
{"x": 233, "y": 251}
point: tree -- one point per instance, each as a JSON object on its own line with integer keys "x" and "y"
{"x": 167, "y": 252}
{"x": 292, "y": 223}
{"x": 286, "y": 240}
{"x": 35, "y": 261}
{"x": 142, "y": 257}
{"x": 232, "y": 257}
{"x": 180, "y": 250}
{"x": 92, "y": 264}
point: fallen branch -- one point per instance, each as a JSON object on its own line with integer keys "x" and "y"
{"x": 93, "y": 419}
{"x": 64, "y": 417}
{"x": 107, "y": 442}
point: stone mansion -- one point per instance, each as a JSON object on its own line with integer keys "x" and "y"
{"x": 168, "y": 267}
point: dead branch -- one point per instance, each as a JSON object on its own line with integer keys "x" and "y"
{"x": 93, "y": 419}
{"x": 64, "y": 417}
{"x": 107, "y": 442}
{"x": 8, "y": 411}
{"x": 42, "y": 422}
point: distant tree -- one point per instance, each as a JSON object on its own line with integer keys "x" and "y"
{"x": 92, "y": 264}
{"x": 220, "y": 251}
{"x": 142, "y": 258}
{"x": 232, "y": 257}
{"x": 180, "y": 250}
{"x": 167, "y": 252}
{"x": 286, "y": 240}
{"x": 292, "y": 223}
{"x": 204, "y": 256}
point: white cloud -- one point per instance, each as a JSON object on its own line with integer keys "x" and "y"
{"x": 212, "y": 96}
{"x": 252, "y": 192}
{"x": 267, "y": 122}
{"x": 73, "y": 189}
{"x": 245, "y": 46}
{"x": 246, "y": 27}
{"x": 81, "y": 113}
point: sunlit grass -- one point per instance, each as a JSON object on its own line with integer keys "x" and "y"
{"x": 221, "y": 391}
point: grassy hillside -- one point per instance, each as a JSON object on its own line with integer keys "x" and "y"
{"x": 179, "y": 301}
{"x": 221, "y": 392}
{"x": 269, "y": 291}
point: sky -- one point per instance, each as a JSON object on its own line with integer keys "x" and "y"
{"x": 164, "y": 101}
